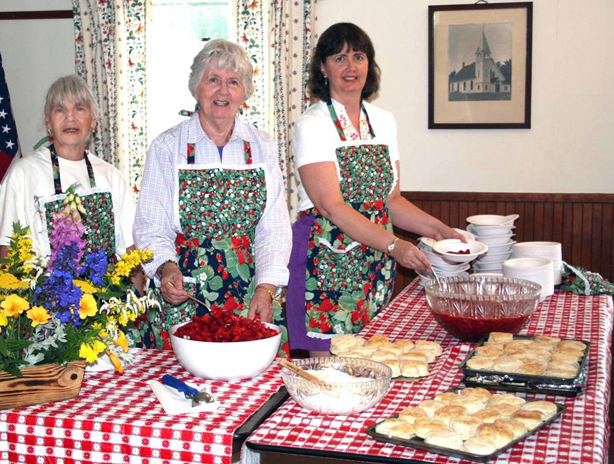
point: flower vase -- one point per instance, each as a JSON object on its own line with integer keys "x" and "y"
{"x": 41, "y": 384}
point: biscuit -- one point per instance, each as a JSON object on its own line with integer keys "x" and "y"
{"x": 563, "y": 371}
{"x": 424, "y": 426}
{"x": 546, "y": 339}
{"x": 480, "y": 364}
{"x": 488, "y": 352}
{"x": 414, "y": 356}
{"x": 505, "y": 409}
{"x": 539, "y": 354}
{"x": 533, "y": 367}
{"x": 499, "y": 435}
{"x": 506, "y": 363}
{"x": 384, "y": 427}
{"x": 450, "y": 411}
{"x": 397, "y": 350}
{"x": 530, "y": 419}
{"x": 479, "y": 445}
{"x": 545, "y": 346}
{"x": 405, "y": 344}
{"x": 429, "y": 355}
{"x": 465, "y": 426}
{"x": 517, "y": 428}
{"x": 428, "y": 345}
{"x": 430, "y": 406}
{"x": 470, "y": 403}
{"x": 447, "y": 397}
{"x": 414, "y": 369}
{"x": 496, "y": 345}
{"x": 573, "y": 344}
{"x": 507, "y": 398}
{"x": 515, "y": 347}
{"x": 564, "y": 358}
{"x": 404, "y": 430}
{"x": 345, "y": 342}
{"x": 480, "y": 392}
{"x": 378, "y": 341}
{"x": 570, "y": 351}
{"x": 500, "y": 337}
{"x": 350, "y": 354}
{"x": 444, "y": 439}
{"x": 412, "y": 414}
{"x": 383, "y": 355}
{"x": 394, "y": 365}
{"x": 546, "y": 408}
{"x": 488, "y": 416}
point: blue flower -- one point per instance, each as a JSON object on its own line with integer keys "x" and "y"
{"x": 96, "y": 266}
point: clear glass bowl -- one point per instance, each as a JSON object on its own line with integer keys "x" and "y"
{"x": 473, "y": 306}
{"x": 340, "y": 398}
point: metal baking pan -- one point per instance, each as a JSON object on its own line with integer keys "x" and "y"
{"x": 527, "y": 383}
{"x": 419, "y": 443}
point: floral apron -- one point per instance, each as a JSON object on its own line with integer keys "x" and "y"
{"x": 99, "y": 220}
{"x": 219, "y": 209}
{"x": 337, "y": 285}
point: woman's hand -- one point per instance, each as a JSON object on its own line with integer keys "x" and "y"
{"x": 445, "y": 232}
{"x": 408, "y": 255}
{"x": 171, "y": 284}
{"x": 262, "y": 304}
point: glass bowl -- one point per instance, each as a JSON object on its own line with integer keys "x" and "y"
{"x": 340, "y": 398}
{"x": 473, "y": 306}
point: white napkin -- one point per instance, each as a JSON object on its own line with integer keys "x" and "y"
{"x": 175, "y": 402}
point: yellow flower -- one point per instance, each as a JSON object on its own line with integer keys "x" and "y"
{"x": 38, "y": 315}
{"x": 121, "y": 341}
{"x": 118, "y": 365}
{"x": 87, "y": 306}
{"x": 3, "y": 320}
{"x": 10, "y": 282}
{"x": 90, "y": 352}
{"x": 14, "y": 305}
{"x": 123, "y": 319}
{"x": 85, "y": 287}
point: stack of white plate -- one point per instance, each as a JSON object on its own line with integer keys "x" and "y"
{"x": 535, "y": 269}
{"x": 497, "y": 232}
{"x": 550, "y": 250}
{"x": 442, "y": 267}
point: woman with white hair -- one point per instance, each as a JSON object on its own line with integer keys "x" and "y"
{"x": 212, "y": 207}
{"x": 34, "y": 188}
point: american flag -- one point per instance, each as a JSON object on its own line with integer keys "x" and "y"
{"x": 9, "y": 145}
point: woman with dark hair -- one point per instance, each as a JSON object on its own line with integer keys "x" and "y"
{"x": 344, "y": 254}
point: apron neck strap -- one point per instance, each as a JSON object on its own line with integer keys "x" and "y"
{"x": 247, "y": 149}
{"x": 55, "y": 164}
{"x": 333, "y": 115}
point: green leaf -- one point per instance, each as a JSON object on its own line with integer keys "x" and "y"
{"x": 341, "y": 316}
{"x": 309, "y": 296}
{"x": 216, "y": 283}
{"x": 221, "y": 244}
{"x": 244, "y": 272}
{"x": 348, "y": 325}
{"x": 347, "y": 303}
{"x": 311, "y": 284}
{"x": 14, "y": 370}
{"x": 3, "y": 348}
{"x": 110, "y": 294}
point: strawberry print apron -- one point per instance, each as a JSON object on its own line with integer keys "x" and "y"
{"x": 219, "y": 209}
{"x": 99, "y": 220}
{"x": 336, "y": 284}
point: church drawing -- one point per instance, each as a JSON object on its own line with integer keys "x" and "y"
{"x": 480, "y": 77}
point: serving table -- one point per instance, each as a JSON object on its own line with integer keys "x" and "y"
{"x": 117, "y": 418}
{"x": 581, "y": 435}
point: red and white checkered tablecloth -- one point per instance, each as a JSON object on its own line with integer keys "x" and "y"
{"x": 581, "y": 435}
{"x": 118, "y": 419}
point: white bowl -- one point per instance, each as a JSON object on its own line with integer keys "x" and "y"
{"x": 491, "y": 219}
{"x": 450, "y": 267}
{"x": 489, "y": 267}
{"x": 496, "y": 239}
{"x": 225, "y": 360}
{"x": 465, "y": 233}
{"x": 447, "y": 273}
{"x": 449, "y": 250}
{"x": 501, "y": 248}
{"x": 486, "y": 231}
{"x": 435, "y": 258}
{"x": 488, "y": 274}
{"x": 535, "y": 269}
{"x": 492, "y": 257}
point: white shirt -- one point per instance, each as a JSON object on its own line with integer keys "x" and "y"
{"x": 316, "y": 139}
{"x": 32, "y": 176}
{"x": 157, "y": 219}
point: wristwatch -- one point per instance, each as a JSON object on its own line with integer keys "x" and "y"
{"x": 161, "y": 266}
{"x": 392, "y": 245}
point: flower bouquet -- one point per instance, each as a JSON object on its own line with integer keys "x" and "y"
{"x": 71, "y": 305}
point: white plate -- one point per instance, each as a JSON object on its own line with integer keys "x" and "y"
{"x": 449, "y": 248}
{"x": 492, "y": 219}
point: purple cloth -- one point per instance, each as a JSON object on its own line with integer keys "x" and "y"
{"x": 295, "y": 293}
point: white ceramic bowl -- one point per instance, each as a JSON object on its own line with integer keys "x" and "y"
{"x": 340, "y": 398}
{"x": 451, "y": 269}
{"x": 449, "y": 250}
{"x": 465, "y": 233}
{"x": 492, "y": 257}
{"x": 496, "y": 266}
{"x": 225, "y": 360}
{"x": 535, "y": 269}
{"x": 496, "y": 239}
{"x": 486, "y": 231}
{"x": 435, "y": 258}
{"x": 491, "y": 219}
{"x": 501, "y": 248}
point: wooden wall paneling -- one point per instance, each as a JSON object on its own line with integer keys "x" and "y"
{"x": 557, "y": 223}
{"x": 548, "y": 223}
{"x": 576, "y": 251}
{"x": 607, "y": 241}
{"x": 596, "y": 261}
{"x": 587, "y": 232}
{"x": 568, "y": 234}
{"x": 539, "y": 223}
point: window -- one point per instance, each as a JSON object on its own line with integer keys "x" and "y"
{"x": 174, "y": 36}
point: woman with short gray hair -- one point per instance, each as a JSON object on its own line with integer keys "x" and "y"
{"x": 35, "y": 186}
{"x": 212, "y": 206}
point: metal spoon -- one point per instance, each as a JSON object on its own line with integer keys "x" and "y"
{"x": 197, "y": 397}
{"x": 201, "y": 303}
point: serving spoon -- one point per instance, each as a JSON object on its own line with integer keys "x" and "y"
{"x": 197, "y": 397}
{"x": 201, "y": 303}
{"x": 301, "y": 373}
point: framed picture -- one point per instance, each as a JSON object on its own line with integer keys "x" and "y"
{"x": 480, "y": 66}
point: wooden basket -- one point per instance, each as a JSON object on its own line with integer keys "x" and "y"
{"x": 41, "y": 384}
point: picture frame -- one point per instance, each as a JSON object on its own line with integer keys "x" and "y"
{"x": 480, "y": 66}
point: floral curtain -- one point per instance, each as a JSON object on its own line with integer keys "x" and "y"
{"x": 110, "y": 57}
{"x": 286, "y": 61}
